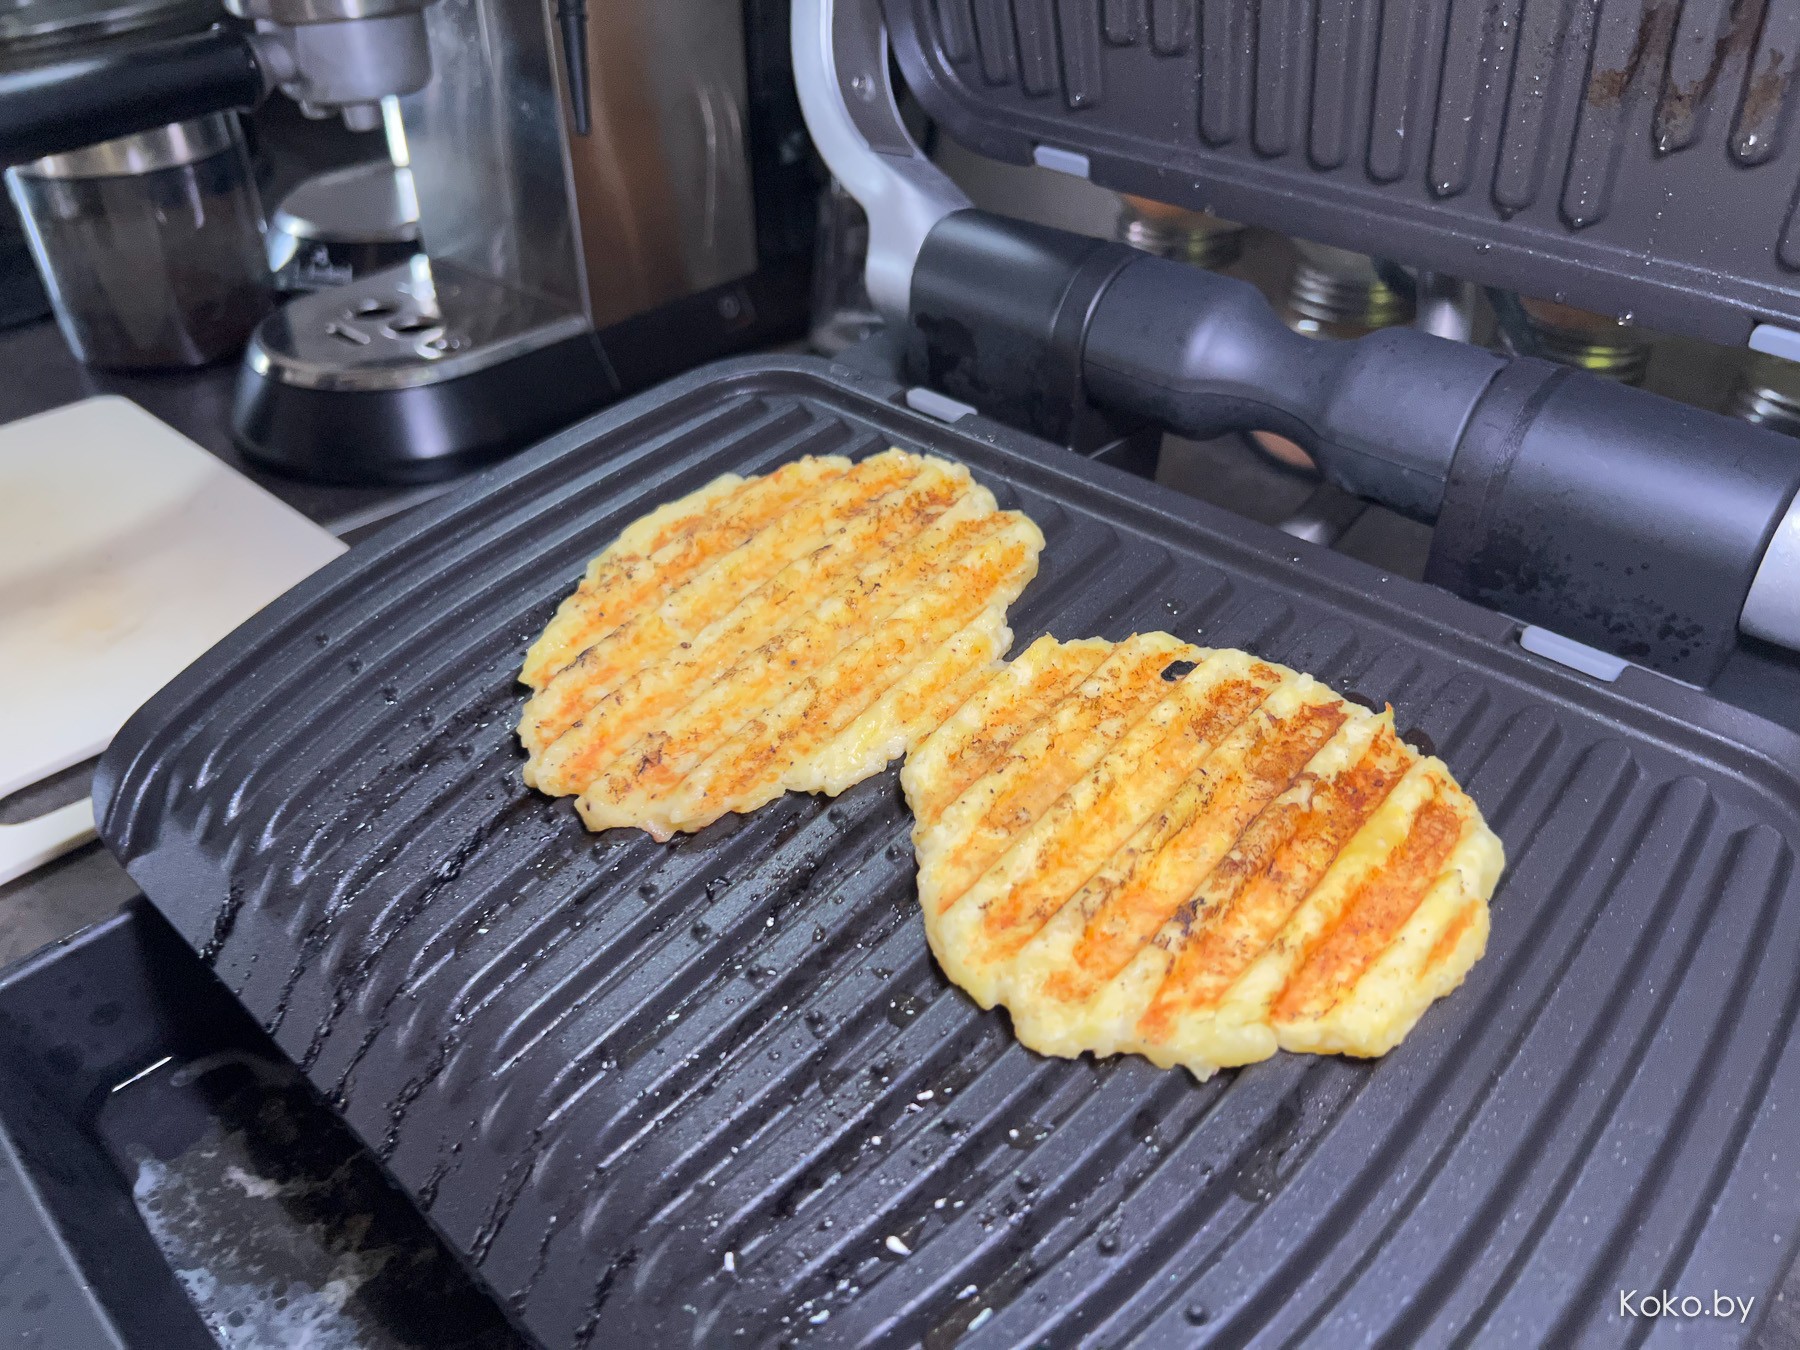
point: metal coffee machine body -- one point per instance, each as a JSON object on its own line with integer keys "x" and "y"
{"x": 603, "y": 200}
{"x": 589, "y": 224}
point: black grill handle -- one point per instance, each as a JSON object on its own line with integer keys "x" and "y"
{"x": 1020, "y": 320}
{"x": 66, "y": 105}
{"x": 1615, "y": 516}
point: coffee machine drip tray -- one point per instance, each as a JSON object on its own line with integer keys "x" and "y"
{"x": 413, "y": 373}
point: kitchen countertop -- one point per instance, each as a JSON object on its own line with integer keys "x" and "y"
{"x": 87, "y": 885}
{"x": 40, "y": 374}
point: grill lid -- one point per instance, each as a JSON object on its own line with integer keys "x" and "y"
{"x": 1635, "y": 158}
{"x": 672, "y": 1093}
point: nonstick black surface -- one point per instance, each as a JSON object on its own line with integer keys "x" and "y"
{"x": 1586, "y": 153}
{"x": 716, "y": 1092}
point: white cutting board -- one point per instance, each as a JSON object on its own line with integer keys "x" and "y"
{"x": 125, "y": 552}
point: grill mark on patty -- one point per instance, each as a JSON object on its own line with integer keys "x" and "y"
{"x": 1218, "y": 807}
{"x": 840, "y": 622}
{"x": 856, "y": 503}
{"x": 960, "y": 761}
{"x": 997, "y": 555}
{"x": 860, "y": 672}
{"x": 1222, "y": 944}
{"x": 1372, "y": 916}
{"x": 1041, "y": 765}
{"x": 659, "y": 689}
{"x": 618, "y": 585}
{"x": 1290, "y": 874}
{"x": 1087, "y": 824}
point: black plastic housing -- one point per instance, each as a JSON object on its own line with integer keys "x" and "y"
{"x": 1617, "y": 517}
{"x": 123, "y": 89}
{"x": 424, "y": 433}
{"x": 1205, "y": 354}
{"x": 654, "y": 1094}
{"x": 999, "y": 313}
{"x": 1632, "y": 522}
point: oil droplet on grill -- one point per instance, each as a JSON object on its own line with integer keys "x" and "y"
{"x": 701, "y": 930}
{"x": 902, "y": 1010}
{"x": 1108, "y": 1243}
{"x": 1196, "y": 1315}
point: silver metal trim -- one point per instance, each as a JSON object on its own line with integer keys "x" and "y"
{"x": 428, "y": 370}
{"x": 1325, "y": 516}
{"x": 293, "y": 13}
{"x": 142, "y": 152}
{"x": 933, "y": 404}
{"x": 1059, "y": 160}
{"x": 840, "y": 48}
{"x": 1444, "y": 306}
{"x": 425, "y": 371}
{"x": 1772, "y": 609}
{"x": 1775, "y": 341}
{"x": 416, "y": 324}
{"x": 370, "y": 203}
{"x": 31, "y": 31}
{"x": 1577, "y": 656}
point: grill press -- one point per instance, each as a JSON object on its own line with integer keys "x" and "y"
{"x": 1656, "y": 531}
{"x": 715, "y": 1092}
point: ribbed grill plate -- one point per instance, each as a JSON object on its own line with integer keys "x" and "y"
{"x": 1588, "y": 152}
{"x": 671, "y": 1094}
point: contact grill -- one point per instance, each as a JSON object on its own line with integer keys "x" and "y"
{"x": 716, "y": 1091}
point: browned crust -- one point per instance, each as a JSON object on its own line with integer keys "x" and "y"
{"x": 1372, "y": 916}
{"x": 1282, "y": 858}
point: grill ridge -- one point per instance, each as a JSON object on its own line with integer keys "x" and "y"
{"x": 1503, "y": 974}
{"x": 1529, "y": 1153}
{"x": 1786, "y": 1020}
{"x": 1661, "y": 1172}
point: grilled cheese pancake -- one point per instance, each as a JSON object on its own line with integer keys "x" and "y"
{"x": 793, "y": 632}
{"x": 1192, "y": 855}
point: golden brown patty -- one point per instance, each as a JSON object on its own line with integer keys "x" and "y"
{"x": 793, "y": 632}
{"x": 1192, "y": 855}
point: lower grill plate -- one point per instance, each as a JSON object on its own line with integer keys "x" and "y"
{"x": 715, "y": 1092}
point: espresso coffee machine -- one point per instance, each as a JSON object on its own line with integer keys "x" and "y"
{"x": 604, "y": 199}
